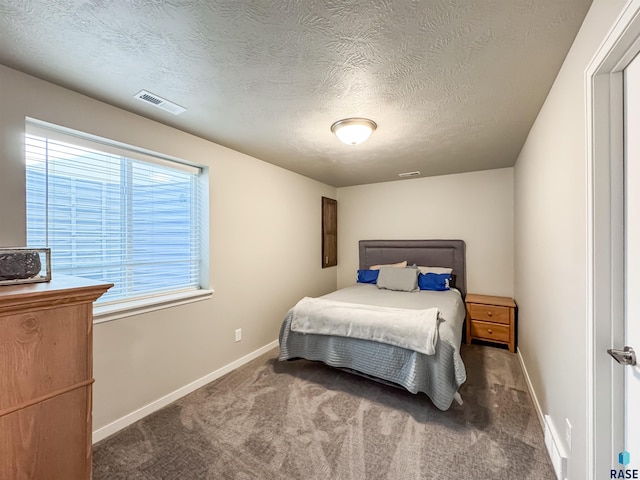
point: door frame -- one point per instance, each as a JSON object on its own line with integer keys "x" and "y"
{"x": 605, "y": 238}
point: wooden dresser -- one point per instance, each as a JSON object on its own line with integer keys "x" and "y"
{"x": 46, "y": 372}
{"x": 492, "y": 319}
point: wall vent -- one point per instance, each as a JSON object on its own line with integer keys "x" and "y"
{"x": 159, "y": 102}
{"x": 409, "y": 174}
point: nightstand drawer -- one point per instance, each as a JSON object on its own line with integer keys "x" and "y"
{"x": 490, "y": 331}
{"x": 489, "y": 313}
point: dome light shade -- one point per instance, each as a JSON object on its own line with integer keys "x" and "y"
{"x": 353, "y": 131}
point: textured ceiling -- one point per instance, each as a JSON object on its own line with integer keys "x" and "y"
{"x": 454, "y": 85}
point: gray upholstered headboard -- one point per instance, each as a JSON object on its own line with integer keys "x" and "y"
{"x": 429, "y": 253}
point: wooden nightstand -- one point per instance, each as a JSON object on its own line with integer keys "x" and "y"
{"x": 492, "y": 319}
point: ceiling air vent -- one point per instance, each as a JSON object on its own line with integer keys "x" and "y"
{"x": 409, "y": 174}
{"x": 159, "y": 102}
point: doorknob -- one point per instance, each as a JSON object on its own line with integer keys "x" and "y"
{"x": 623, "y": 357}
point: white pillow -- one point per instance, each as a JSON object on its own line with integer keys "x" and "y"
{"x": 394, "y": 265}
{"x": 425, "y": 270}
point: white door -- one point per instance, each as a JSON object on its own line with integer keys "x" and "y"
{"x": 632, "y": 258}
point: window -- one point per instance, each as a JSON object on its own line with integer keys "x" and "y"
{"x": 114, "y": 214}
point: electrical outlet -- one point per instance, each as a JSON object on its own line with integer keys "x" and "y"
{"x": 238, "y": 334}
{"x": 567, "y": 433}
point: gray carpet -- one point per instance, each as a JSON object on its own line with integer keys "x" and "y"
{"x": 304, "y": 420}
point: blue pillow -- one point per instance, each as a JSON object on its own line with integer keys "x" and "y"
{"x": 368, "y": 276}
{"x": 434, "y": 281}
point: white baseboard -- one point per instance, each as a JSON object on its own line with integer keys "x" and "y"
{"x": 554, "y": 448}
{"x": 557, "y": 454}
{"x": 536, "y": 404}
{"x": 113, "y": 427}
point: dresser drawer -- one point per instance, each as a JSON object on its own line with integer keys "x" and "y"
{"x": 489, "y": 331}
{"x": 50, "y": 440}
{"x": 489, "y": 313}
{"x": 43, "y": 351}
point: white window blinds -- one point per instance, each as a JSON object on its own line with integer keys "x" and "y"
{"x": 112, "y": 214}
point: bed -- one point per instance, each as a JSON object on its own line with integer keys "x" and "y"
{"x": 438, "y": 374}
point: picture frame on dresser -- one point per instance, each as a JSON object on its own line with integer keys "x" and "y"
{"x": 24, "y": 265}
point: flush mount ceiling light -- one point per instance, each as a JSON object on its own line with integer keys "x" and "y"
{"x": 353, "y": 131}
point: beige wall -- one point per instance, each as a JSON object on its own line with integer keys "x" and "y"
{"x": 551, "y": 238}
{"x": 265, "y": 245}
{"x": 476, "y": 207}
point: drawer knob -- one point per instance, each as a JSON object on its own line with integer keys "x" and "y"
{"x": 489, "y": 314}
{"x": 490, "y": 331}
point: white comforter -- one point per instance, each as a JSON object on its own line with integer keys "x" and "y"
{"x": 407, "y": 328}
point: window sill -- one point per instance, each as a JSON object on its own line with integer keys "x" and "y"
{"x": 107, "y": 313}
